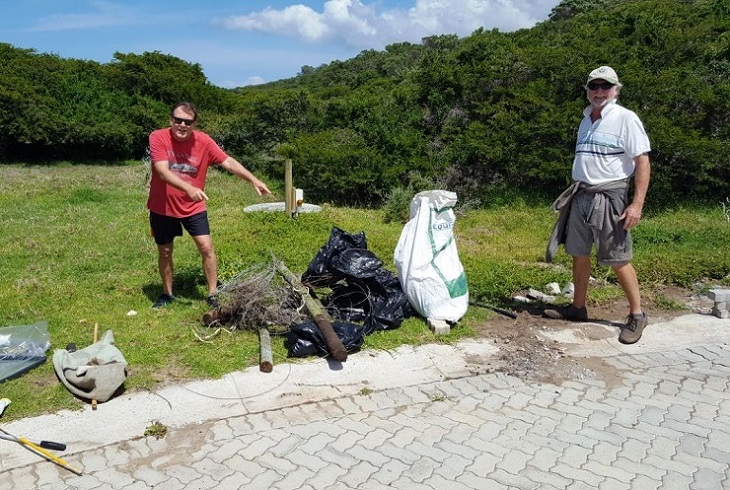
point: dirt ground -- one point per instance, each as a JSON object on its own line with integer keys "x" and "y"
{"x": 527, "y": 355}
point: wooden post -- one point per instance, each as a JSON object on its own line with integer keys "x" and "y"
{"x": 288, "y": 188}
{"x": 319, "y": 314}
{"x": 96, "y": 338}
{"x": 266, "y": 360}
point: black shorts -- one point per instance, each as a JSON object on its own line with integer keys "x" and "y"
{"x": 166, "y": 228}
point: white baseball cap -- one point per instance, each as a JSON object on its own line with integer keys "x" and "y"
{"x": 604, "y": 73}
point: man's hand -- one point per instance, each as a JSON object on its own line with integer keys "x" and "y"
{"x": 631, "y": 216}
{"x": 196, "y": 194}
{"x": 260, "y": 187}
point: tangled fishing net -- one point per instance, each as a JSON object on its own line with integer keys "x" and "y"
{"x": 254, "y": 298}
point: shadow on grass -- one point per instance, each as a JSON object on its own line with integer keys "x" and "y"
{"x": 184, "y": 285}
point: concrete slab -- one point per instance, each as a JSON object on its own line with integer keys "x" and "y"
{"x": 680, "y": 333}
{"x": 249, "y": 391}
{"x": 280, "y": 207}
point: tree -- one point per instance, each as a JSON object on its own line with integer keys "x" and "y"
{"x": 567, "y": 9}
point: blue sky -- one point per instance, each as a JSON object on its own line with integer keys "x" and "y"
{"x": 246, "y": 42}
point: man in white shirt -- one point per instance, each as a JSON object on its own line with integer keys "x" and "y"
{"x": 612, "y": 147}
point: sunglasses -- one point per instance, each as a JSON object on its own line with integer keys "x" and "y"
{"x": 182, "y": 120}
{"x": 601, "y": 85}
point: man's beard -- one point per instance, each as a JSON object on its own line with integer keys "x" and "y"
{"x": 602, "y": 104}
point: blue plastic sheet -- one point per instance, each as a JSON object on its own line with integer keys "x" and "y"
{"x": 22, "y": 348}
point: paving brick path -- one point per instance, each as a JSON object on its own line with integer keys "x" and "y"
{"x": 664, "y": 424}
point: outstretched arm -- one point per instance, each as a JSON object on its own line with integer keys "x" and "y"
{"x": 232, "y": 166}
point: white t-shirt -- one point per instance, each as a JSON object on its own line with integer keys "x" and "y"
{"x": 605, "y": 150}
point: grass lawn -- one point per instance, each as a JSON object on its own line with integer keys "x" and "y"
{"x": 76, "y": 251}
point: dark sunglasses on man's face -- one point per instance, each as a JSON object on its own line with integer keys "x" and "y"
{"x": 182, "y": 120}
{"x": 601, "y": 85}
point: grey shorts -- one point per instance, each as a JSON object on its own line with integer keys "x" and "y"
{"x": 613, "y": 243}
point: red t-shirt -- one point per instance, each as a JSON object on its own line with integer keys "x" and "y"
{"x": 189, "y": 160}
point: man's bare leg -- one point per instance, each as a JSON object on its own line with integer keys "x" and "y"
{"x": 581, "y": 278}
{"x": 210, "y": 261}
{"x": 630, "y": 284}
{"x": 165, "y": 266}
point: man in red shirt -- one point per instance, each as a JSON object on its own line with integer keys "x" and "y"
{"x": 180, "y": 158}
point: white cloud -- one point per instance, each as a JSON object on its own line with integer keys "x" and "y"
{"x": 296, "y": 20}
{"x": 361, "y": 25}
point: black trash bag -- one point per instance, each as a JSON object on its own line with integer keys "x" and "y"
{"x": 320, "y": 273}
{"x": 378, "y": 311}
{"x": 356, "y": 263}
{"x": 378, "y": 302}
{"x": 388, "y": 312}
{"x": 385, "y": 303}
{"x": 385, "y": 283}
{"x": 362, "y": 290}
{"x": 348, "y": 303}
{"x": 305, "y": 339}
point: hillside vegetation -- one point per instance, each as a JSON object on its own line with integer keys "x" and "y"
{"x": 484, "y": 115}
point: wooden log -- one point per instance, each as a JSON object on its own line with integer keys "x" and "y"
{"x": 266, "y": 360}
{"x": 319, "y": 314}
{"x": 217, "y": 316}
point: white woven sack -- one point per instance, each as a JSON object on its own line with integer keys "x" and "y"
{"x": 428, "y": 265}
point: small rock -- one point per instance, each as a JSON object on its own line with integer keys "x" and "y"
{"x": 545, "y": 298}
{"x": 553, "y": 288}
